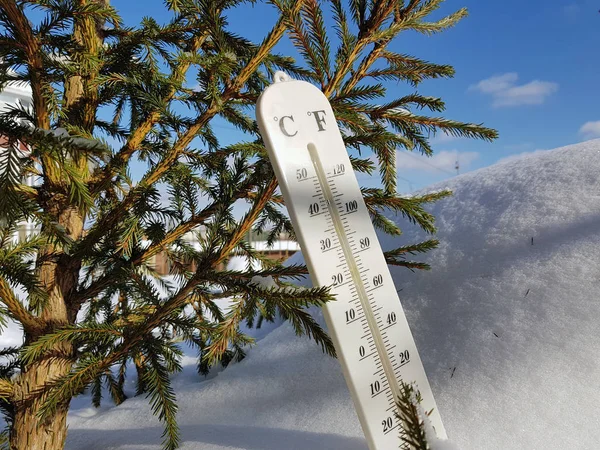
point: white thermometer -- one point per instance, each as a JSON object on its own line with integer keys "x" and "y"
{"x": 366, "y": 321}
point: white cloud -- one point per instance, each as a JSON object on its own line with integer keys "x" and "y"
{"x": 505, "y": 91}
{"x": 590, "y": 129}
{"x": 443, "y": 138}
{"x": 520, "y": 155}
{"x": 440, "y": 162}
{"x": 532, "y": 93}
{"x": 495, "y": 84}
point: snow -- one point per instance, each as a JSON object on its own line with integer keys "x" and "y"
{"x": 506, "y": 324}
{"x": 507, "y": 332}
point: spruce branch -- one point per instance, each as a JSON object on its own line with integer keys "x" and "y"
{"x": 292, "y": 304}
{"x": 259, "y": 201}
{"x": 75, "y": 335}
{"x": 6, "y": 390}
{"x": 431, "y": 124}
{"x": 171, "y": 156}
{"x": 115, "y": 386}
{"x": 366, "y": 26}
{"x": 17, "y": 311}
{"x": 412, "y": 419}
{"x": 62, "y": 389}
{"x": 416, "y": 24}
{"x": 96, "y": 391}
{"x": 408, "y": 68}
{"x": 136, "y": 137}
{"x": 263, "y": 51}
{"x": 156, "y": 247}
{"x": 397, "y": 257}
{"x": 409, "y": 207}
{"x": 160, "y": 392}
{"x": 247, "y": 222}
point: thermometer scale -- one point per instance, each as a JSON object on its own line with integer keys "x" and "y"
{"x": 366, "y": 321}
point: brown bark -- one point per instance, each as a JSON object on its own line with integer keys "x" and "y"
{"x": 58, "y": 273}
{"x": 81, "y": 94}
{"x": 27, "y": 432}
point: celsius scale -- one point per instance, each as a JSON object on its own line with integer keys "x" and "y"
{"x": 366, "y": 321}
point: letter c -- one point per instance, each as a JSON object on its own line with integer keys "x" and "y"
{"x": 283, "y": 128}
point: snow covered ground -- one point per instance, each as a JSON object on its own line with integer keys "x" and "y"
{"x": 507, "y": 324}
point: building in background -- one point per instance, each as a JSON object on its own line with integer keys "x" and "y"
{"x": 16, "y": 95}
{"x": 281, "y": 249}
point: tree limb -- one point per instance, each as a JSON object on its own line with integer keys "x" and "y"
{"x": 138, "y": 135}
{"x": 232, "y": 90}
{"x": 17, "y": 311}
{"x": 6, "y": 389}
{"x": 248, "y": 221}
{"x": 101, "y": 283}
{"x": 33, "y": 51}
{"x": 264, "y": 50}
{"x": 179, "y": 299}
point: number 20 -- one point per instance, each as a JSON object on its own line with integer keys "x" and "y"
{"x": 387, "y": 424}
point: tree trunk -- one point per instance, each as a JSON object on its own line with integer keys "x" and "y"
{"x": 58, "y": 272}
{"x": 59, "y": 275}
{"x": 27, "y": 432}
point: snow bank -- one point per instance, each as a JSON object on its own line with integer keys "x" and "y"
{"x": 506, "y": 324}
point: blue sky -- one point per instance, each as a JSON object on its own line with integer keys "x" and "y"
{"x": 529, "y": 68}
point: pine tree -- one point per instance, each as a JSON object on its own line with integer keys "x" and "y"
{"x": 83, "y": 287}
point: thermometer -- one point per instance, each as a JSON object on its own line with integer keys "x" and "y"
{"x": 366, "y": 321}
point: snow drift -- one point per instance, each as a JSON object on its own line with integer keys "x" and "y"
{"x": 507, "y": 324}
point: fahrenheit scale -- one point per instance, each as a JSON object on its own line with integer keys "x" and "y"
{"x": 366, "y": 322}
